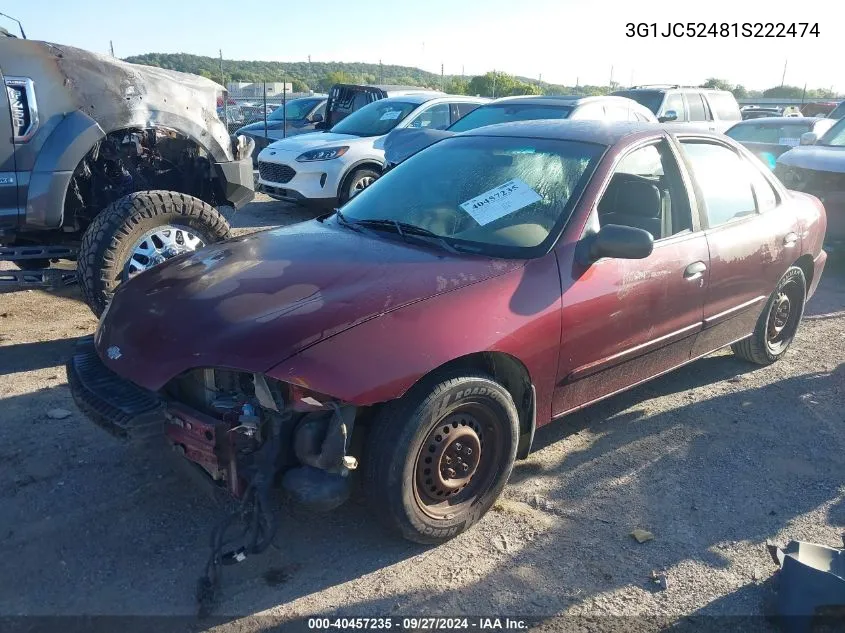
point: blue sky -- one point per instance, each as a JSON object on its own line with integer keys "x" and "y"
{"x": 564, "y": 40}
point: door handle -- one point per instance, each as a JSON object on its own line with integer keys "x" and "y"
{"x": 695, "y": 271}
{"x": 790, "y": 239}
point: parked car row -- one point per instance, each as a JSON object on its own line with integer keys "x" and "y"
{"x": 330, "y": 168}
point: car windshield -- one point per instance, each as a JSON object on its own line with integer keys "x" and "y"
{"x": 296, "y": 109}
{"x": 375, "y": 119}
{"x": 651, "y": 99}
{"x": 835, "y": 136}
{"x": 838, "y": 112}
{"x": 508, "y": 112}
{"x": 778, "y": 132}
{"x": 495, "y": 195}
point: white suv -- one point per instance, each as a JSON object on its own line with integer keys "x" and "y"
{"x": 327, "y": 168}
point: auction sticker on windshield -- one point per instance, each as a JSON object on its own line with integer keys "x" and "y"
{"x": 390, "y": 115}
{"x": 501, "y": 201}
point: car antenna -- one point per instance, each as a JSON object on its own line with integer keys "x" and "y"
{"x": 20, "y": 26}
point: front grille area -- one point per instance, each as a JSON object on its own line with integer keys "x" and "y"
{"x": 274, "y": 172}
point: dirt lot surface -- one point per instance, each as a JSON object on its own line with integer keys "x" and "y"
{"x": 712, "y": 459}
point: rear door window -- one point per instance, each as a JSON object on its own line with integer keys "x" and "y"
{"x": 723, "y": 179}
{"x": 724, "y": 106}
{"x": 697, "y": 111}
{"x": 461, "y": 109}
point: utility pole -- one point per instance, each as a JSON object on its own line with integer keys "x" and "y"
{"x": 310, "y": 85}
{"x": 803, "y": 92}
{"x": 611, "y": 77}
{"x": 441, "y": 77}
{"x": 494, "y": 83}
{"x": 380, "y": 72}
{"x": 111, "y": 47}
{"x": 783, "y": 77}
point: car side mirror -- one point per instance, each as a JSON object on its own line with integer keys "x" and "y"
{"x": 809, "y": 138}
{"x": 317, "y": 118}
{"x": 617, "y": 242}
{"x": 320, "y": 125}
{"x": 669, "y": 115}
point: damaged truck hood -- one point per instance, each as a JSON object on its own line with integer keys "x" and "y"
{"x": 116, "y": 94}
{"x": 252, "y": 302}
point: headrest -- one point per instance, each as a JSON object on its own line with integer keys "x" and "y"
{"x": 632, "y": 197}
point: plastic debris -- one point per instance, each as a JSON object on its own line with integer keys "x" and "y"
{"x": 641, "y": 536}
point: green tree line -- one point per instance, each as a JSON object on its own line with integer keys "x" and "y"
{"x": 320, "y": 76}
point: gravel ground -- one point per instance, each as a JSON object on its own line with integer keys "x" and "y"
{"x": 713, "y": 459}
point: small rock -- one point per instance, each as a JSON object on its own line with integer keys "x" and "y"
{"x": 5, "y": 337}
{"x": 756, "y": 575}
{"x": 735, "y": 379}
{"x": 59, "y": 414}
{"x": 641, "y": 536}
{"x": 772, "y": 513}
{"x": 660, "y": 579}
{"x": 5, "y": 314}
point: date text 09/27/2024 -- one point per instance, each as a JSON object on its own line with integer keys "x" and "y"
{"x": 722, "y": 29}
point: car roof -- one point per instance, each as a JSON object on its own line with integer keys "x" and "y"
{"x": 418, "y": 98}
{"x": 780, "y": 120}
{"x": 602, "y": 132}
{"x": 563, "y": 100}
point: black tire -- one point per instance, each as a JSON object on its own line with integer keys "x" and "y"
{"x": 105, "y": 247}
{"x": 412, "y": 433}
{"x": 354, "y": 180}
{"x": 778, "y": 322}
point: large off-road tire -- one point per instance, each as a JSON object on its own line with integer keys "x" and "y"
{"x": 357, "y": 181}
{"x": 438, "y": 458}
{"x": 139, "y": 231}
{"x": 778, "y": 322}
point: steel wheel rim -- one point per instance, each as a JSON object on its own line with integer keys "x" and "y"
{"x": 158, "y": 245}
{"x": 782, "y": 322}
{"x": 458, "y": 460}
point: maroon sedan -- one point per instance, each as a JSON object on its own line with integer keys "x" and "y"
{"x": 488, "y": 285}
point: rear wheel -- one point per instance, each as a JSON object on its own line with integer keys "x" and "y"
{"x": 438, "y": 458}
{"x": 778, "y": 323}
{"x": 140, "y": 231}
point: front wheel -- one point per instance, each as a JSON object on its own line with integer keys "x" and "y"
{"x": 138, "y": 232}
{"x": 357, "y": 181}
{"x": 778, "y": 323}
{"x": 437, "y": 459}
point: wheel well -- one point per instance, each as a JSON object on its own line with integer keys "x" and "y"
{"x": 512, "y": 375}
{"x": 805, "y": 263}
{"x": 138, "y": 159}
{"x": 367, "y": 164}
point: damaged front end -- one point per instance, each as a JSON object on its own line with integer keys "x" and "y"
{"x": 219, "y": 420}
{"x": 246, "y": 432}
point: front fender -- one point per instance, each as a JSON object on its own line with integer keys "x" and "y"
{"x": 517, "y": 313}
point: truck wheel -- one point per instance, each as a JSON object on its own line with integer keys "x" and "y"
{"x": 778, "y": 323}
{"x": 438, "y": 458}
{"x": 138, "y": 232}
{"x": 357, "y": 181}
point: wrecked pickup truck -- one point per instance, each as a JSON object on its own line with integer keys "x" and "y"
{"x": 114, "y": 165}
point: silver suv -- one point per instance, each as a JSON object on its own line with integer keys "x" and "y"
{"x": 692, "y": 108}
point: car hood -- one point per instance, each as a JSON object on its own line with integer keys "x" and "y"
{"x": 403, "y": 143}
{"x": 258, "y": 126}
{"x": 252, "y": 302}
{"x": 313, "y": 140}
{"x": 818, "y": 157}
